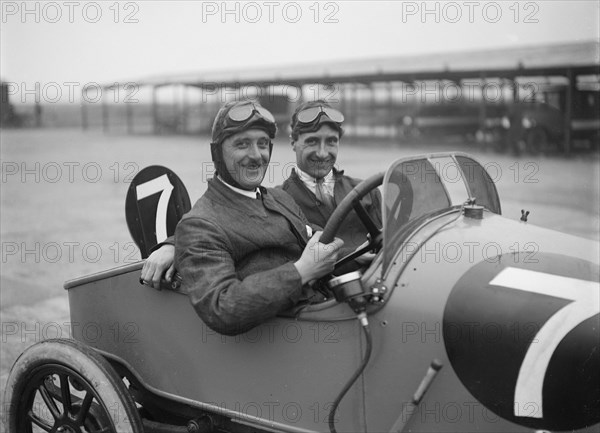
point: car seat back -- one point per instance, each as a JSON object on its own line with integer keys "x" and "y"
{"x": 155, "y": 202}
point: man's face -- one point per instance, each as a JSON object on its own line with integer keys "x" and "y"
{"x": 246, "y": 156}
{"x": 316, "y": 152}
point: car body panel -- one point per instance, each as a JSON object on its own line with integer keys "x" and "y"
{"x": 287, "y": 371}
{"x": 409, "y": 330}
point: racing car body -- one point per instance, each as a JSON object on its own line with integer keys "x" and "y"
{"x": 475, "y": 323}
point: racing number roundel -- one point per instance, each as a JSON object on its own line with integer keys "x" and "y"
{"x": 156, "y": 200}
{"x": 524, "y": 339}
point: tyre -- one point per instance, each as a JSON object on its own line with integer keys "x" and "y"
{"x": 63, "y": 386}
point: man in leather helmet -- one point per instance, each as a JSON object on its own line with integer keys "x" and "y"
{"x": 245, "y": 252}
{"x": 316, "y": 184}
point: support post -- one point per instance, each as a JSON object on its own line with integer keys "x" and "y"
{"x": 390, "y": 91}
{"x": 569, "y": 110}
{"x": 129, "y": 117}
{"x": 154, "y": 111}
{"x": 482, "y": 105}
{"x": 372, "y": 109}
{"x": 104, "y": 113}
{"x": 184, "y": 109}
{"x": 84, "y": 115}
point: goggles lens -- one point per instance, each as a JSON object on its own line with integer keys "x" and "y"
{"x": 313, "y": 113}
{"x": 241, "y": 113}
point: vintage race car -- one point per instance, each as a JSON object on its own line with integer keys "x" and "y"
{"x": 465, "y": 321}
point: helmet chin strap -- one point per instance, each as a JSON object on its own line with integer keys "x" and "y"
{"x": 216, "y": 151}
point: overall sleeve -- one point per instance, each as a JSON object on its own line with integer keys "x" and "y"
{"x": 169, "y": 241}
{"x": 228, "y": 305}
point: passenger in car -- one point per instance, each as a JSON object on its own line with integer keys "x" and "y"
{"x": 245, "y": 252}
{"x": 315, "y": 183}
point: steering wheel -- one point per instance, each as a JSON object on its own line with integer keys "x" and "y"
{"x": 352, "y": 201}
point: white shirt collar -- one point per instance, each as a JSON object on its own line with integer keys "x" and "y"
{"x": 311, "y": 182}
{"x": 250, "y": 194}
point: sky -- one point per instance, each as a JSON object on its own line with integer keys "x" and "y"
{"x": 101, "y": 42}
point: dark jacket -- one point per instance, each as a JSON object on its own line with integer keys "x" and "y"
{"x": 352, "y": 231}
{"x": 236, "y": 256}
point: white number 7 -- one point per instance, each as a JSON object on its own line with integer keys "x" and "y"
{"x": 585, "y": 297}
{"x": 153, "y": 186}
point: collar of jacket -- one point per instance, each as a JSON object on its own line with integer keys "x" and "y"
{"x": 222, "y": 194}
{"x": 244, "y": 192}
{"x": 336, "y": 174}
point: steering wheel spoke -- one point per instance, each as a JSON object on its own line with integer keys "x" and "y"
{"x": 366, "y": 219}
{"x": 352, "y": 201}
{"x": 348, "y": 258}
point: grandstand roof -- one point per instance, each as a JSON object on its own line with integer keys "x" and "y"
{"x": 510, "y": 62}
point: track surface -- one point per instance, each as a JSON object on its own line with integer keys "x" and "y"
{"x": 63, "y": 192}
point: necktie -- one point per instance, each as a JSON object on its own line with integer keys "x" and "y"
{"x": 322, "y": 196}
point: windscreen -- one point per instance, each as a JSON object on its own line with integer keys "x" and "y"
{"x": 480, "y": 184}
{"x": 411, "y": 189}
{"x": 424, "y": 186}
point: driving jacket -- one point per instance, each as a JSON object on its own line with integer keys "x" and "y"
{"x": 352, "y": 231}
{"x": 236, "y": 256}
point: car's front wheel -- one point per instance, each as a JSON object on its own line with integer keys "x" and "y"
{"x": 63, "y": 386}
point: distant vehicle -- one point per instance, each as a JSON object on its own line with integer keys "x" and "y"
{"x": 8, "y": 116}
{"x": 449, "y": 119}
{"x": 467, "y": 321}
{"x": 281, "y": 107}
{"x": 585, "y": 123}
{"x": 534, "y": 127}
{"x": 539, "y": 125}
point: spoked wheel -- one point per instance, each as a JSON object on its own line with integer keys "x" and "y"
{"x": 62, "y": 386}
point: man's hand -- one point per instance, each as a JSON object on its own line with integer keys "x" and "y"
{"x": 366, "y": 258}
{"x": 156, "y": 264}
{"x": 318, "y": 259}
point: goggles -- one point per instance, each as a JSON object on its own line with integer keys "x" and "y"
{"x": 311, "y": 114}
{"x": 241, "y": 117}
{"x": 242, "y": 113}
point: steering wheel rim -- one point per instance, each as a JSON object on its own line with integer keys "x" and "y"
{"x": 343, "y": 209}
